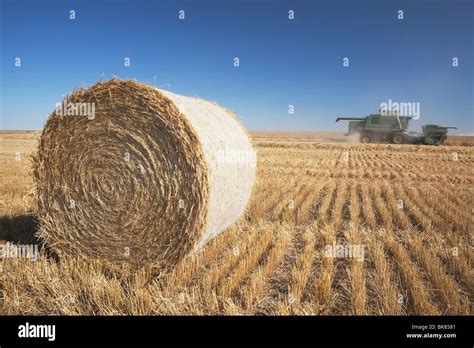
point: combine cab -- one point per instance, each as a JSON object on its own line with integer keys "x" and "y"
{"x": 392, "y": 128}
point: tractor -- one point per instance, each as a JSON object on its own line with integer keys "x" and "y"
{"x": 434, "y": 134}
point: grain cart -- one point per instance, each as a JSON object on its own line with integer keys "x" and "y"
{"x": 377, "y": 128}
{"x": 434, "y": 134}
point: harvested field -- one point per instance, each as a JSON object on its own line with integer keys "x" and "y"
{"x": 398, "y": 219}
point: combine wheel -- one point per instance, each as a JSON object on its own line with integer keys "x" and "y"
{"x": 397, "y": 138}
{"x": 365, "y": 139}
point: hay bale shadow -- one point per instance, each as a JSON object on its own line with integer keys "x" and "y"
{"x": 19, "y": 229}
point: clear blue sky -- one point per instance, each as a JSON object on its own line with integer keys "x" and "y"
{"x": 282, "y": 62}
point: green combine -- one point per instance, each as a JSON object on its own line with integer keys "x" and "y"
{"x": 380, "y": 128}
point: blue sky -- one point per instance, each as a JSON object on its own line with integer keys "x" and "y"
{"x": 282, "y": 62}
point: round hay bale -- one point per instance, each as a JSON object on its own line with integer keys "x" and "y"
{"x": 128, "y": 172}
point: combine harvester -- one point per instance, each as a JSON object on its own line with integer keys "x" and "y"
{"x": 393, "y": 128}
